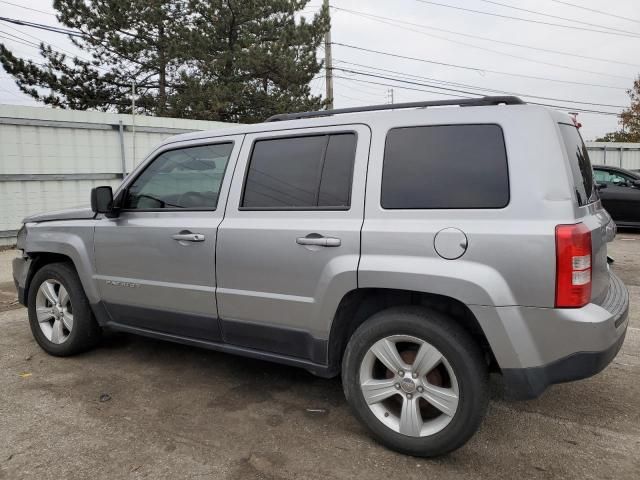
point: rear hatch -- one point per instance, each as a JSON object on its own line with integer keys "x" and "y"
{"x": 592, "y": 214}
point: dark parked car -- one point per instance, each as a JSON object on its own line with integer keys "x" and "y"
{"x": 620, "y": 194}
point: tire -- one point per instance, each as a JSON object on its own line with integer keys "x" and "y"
{"x": 462, "y": 365}
{"x": 61, "y": 331}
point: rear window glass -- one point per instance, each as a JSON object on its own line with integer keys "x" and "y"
{"x": 446, "y": 167}
{"x": 580, "y": 165}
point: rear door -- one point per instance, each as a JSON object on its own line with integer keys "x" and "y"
{"x": 289, "y": 245}
{"x": 155, "y": 263}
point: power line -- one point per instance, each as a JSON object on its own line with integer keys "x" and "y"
{"x": 506, "y": 54}
{"x": 398, "y": 23}
{"x": 405, "y": 75}
{"x": 27, "y": 8}
{"x": 399, "y": 86}
{"x": 493, "y": 2}
{"x": 372, "y": 91}
{"x": 15, "y": 38}
{"x": 475, "y": 69}
{"x": 529, "y": 20}
{"x": 600, "y": 12}
{"x": 356, "y": 72}
{"x": 41, "y": 26}
{"x": 377, "y": 96}
{"x": 562, "y": 107}
{"x": 52, "y": 45}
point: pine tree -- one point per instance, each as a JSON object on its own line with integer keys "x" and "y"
{"x": 251, "y": 59}
{"x": 125, "y": 41}
{"x": 232, "y": 60}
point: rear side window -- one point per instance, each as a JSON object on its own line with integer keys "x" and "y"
{"x": 580, "y": 164}
{"x": 446, "y": 167}
{"x": 307, "y": 172}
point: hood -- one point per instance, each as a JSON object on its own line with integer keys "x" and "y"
{"x": 83, "y": 213}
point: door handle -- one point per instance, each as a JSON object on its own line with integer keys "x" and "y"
{"x": 318, "y": 240}
{"x": 188, "y": 237}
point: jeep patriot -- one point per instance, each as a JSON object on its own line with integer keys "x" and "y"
{"x": 410, "y": 248}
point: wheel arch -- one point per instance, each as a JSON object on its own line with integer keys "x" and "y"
{"x": 40, "y": 260}
{"x": 50, "y": 242}
{"x": 360, "y": 304}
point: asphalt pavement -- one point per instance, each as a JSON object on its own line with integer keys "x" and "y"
{"x": 141, "y": 408}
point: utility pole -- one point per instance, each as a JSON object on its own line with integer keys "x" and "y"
{"x": 328, "y": 62}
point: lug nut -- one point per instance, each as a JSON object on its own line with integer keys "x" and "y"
{"x": 420, "y": 389}
{"x": 401, "y": 373}
{"x": 414, "y": 375}
{"x": 409, "y": 396}
{"x": 397, "y": 386}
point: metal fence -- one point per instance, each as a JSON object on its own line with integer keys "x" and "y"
{"x": 51, "y": 158}
{"x": 625, "y": 155}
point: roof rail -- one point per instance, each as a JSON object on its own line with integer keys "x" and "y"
{"x": 465, "y": 102}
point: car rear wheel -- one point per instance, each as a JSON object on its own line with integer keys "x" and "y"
{"x": 417, "y": 380}
{"x": 60, "y": 317}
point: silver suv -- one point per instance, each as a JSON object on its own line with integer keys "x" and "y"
{"x": 413, "y": 251}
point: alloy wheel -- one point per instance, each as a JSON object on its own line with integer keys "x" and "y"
{"x": 54, "y": 311}
{"x": 409, "y": 385}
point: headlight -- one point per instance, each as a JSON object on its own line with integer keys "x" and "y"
{"x": 22, "y": 238}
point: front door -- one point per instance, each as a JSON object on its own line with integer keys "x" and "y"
{"x": 155, "y": 263}
{"x": 289, "y": 245}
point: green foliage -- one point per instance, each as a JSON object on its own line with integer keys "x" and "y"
{"x": 629, "y": 119}
{"x": 231, "y": 60}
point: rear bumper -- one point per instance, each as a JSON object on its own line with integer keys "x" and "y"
{"x": 539, "y": 347}
{"x": 529, "y": 383}
{"x": 21, "y": 267}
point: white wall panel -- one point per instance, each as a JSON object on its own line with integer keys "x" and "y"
{"x": 37, "y": 141}
{"x": 618, "y": 154}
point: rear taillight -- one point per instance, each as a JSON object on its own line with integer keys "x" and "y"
{"x": 573, "y": 265}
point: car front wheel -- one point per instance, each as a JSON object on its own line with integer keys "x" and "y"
{"x": 60, "y": 317}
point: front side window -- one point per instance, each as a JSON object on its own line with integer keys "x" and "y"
{"x": 600, "y": 176}
{"x": 306, "y": 172}
{"x": 610, "y": 177}
{"x": 183, "y": 178}
{"x": 445, "y": 167}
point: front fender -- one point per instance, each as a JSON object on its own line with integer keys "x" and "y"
{"x": 71, "y": 239}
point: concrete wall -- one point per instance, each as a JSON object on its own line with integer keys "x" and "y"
{"x": 625, "y": 155}
{"x": 51, "y": 158}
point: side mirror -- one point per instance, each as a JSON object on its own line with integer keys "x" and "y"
{"x": 102, "y": 199}
{"x": 600, "y": 186}
{"x": 635, "y": 183}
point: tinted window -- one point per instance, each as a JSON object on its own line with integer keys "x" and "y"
{"x": 300, "y": 172}
{"x": 335, "y": 185}
{"x": 580, "y": 164}
{"x": 447, "y": 166}
{"x": 184, "y": 178}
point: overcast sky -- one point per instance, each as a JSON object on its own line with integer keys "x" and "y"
{"x": 413, "y": 28}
